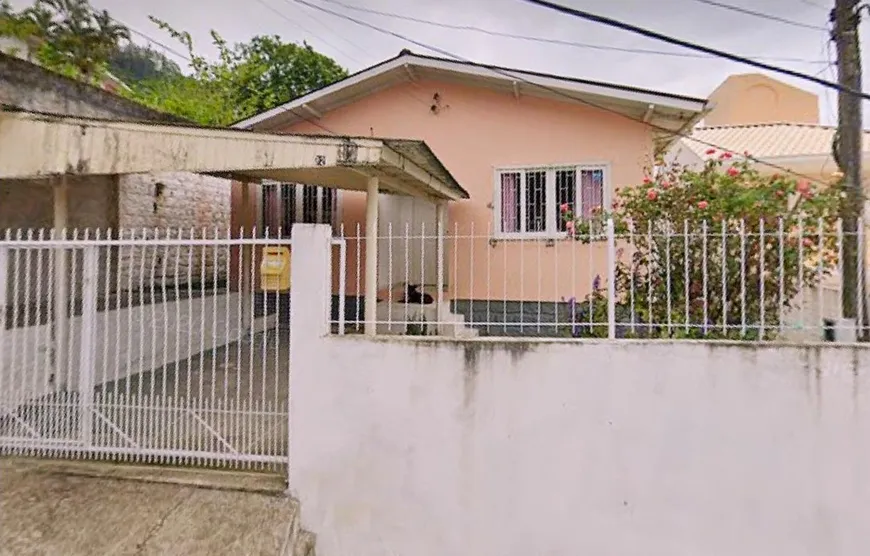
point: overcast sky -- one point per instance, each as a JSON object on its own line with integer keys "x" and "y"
{"x": 356, "y": 47}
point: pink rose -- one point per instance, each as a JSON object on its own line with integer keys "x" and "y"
{"x": 702, "y": 205}
{"x": 725, "y": 156}
{"x": 733, "y": 171}
{"x": 651, "y": 194}
{"x": 569, "y": 225}
{"x": 711, "y": 151}
{"x": 646, "y": 180}
{"x": 564, "y": 208}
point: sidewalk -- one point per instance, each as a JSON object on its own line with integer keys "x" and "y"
{"x": 72, "y": 509}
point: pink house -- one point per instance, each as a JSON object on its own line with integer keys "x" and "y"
{"x": 520, "y": 143}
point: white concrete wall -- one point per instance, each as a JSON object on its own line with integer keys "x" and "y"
{"x": 128, "y": 341}
{"x": 433, "y": 447}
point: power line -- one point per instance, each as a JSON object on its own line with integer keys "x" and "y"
{"x": 813, "y": 4}
{"x": 348, "y": 41}
{"x": 545, "y": 40}
{"x": 694, "y": 46}
{"x": 152, "y": 40}
{"x": 517, "y": 77}
{"x": 188, "y": 59}
{"x": 761, "y": 15}
{"x": 289, "y": 20}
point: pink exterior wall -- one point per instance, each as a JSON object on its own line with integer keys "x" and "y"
{"x": 476, "y": 131}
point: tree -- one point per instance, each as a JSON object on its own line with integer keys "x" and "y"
{"x": 246, "y": 79}
{"x": 132, "y": 63}
{"x": 720, "y": 252}
{"x": 68, "y": 36}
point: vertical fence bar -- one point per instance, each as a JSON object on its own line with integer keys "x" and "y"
{"x": 704, "y": 278}
{"x": 611, "y": 280}
{"x": 89, "y": 286}
{"x": 724, "y": 263}
{"x": 781, "y": 304}
{"x": 861, "y": 280}
{"x": 440, "y": 213}
{"x": 762, "y": 247}
{"x": 4, "y": 302}
{"x": 686, "y": 277}
{"x": 743, "y": 277}
{"x": 632, "y": 278}
{"x": 342, "y": 284}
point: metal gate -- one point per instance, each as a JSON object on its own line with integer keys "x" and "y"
{"x": 152, "y": 347}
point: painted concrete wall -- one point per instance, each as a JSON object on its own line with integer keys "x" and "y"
{"x": 477, "y": 131}
{"x": 413, "y": 446}
{"x": 754, "y": 98}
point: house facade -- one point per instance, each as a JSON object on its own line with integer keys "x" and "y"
{"x": 521, "y": 143}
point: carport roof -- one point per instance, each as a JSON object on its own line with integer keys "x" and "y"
{"x": 37, "y": 145}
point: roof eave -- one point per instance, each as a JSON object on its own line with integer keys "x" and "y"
{"x": 561, "y": 85}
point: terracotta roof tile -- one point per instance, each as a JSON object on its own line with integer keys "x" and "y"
{"x": 768, "y": 140}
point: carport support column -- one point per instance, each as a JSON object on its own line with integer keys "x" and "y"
{"x": 247, "y": 259}
{"x": 61, "y": 293}
{"x": 371, "y": 291}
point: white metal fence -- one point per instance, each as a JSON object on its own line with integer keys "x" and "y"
{"x": 772, "y": 279}
{"x": 149, "y": 346}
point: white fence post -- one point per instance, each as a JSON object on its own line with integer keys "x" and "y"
{"x": 87, "y": 346}
{"x": 611, "y": 280}
{"x": 310, "y": 307}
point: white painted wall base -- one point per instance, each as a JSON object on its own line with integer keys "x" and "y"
{"x": 563, "y": 447}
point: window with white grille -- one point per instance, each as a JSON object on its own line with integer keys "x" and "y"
{"x": 529, "y": 200}
{"x": 285, "y": 204}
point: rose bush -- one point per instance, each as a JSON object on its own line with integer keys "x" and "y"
{"x": 719, "y": 252}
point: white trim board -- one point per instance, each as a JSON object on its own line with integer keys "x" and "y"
{"x": 527, "y": 79}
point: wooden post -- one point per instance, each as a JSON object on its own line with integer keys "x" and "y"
{"x": 845, "y": 17}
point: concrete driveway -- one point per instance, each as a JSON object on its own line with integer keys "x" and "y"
{"x": 70, "y": 509}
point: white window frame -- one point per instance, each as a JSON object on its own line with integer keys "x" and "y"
{"x": 551, "y": 225}
{"x": 300, "y": 196}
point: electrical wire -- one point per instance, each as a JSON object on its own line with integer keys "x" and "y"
{"x": 761, "y": 15}
{"x": 296, "y": 24}
{"x": 188, "y": 59}
{"x": 545, "y": 40}
{"x": 516, "y": 77}
{"x": 348, "y": 41}
{"x": 609, "y": 22}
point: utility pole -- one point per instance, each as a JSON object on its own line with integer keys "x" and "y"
{"x": 845, "y": 18}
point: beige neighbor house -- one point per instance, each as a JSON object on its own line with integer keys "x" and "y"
{"x": 521, "y": 143}
{"x": 776, "y": 123}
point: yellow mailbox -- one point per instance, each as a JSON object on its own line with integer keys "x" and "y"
{"x": 275, "y": 269}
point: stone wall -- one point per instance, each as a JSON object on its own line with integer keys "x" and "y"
{"x": 169, "y": 204}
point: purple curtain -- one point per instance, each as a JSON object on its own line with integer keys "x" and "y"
{"x": 591, "y": 191}
{"x": 510, "y": 202}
